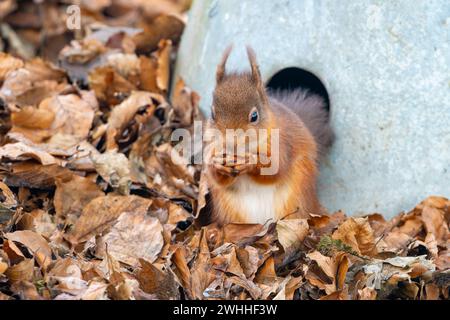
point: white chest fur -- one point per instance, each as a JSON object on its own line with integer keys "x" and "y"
{"x": 259, "y": 202}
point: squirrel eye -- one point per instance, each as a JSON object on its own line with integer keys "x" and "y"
{"x": 253, "y": 115}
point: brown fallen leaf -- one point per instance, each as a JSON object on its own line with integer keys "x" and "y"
{"x": 8, "y": 63}
{"x": 35, "y": 243}
{"x": 357, "y": 233}
{"x": 34, "y": 175}
{"x": 367, "y": 294}
{"x": 328, "y": 266}
{"x": 3, "y": 266}
{"x": 411, "y": 226}
{"x": 26, "y": 290}
{"x": 23, "y": 271}
{"x": 343, "y": 264}
{"x": 378, "y": 224}
{"x": 394, "y": 241}
{"x": 8, "y": 203}
{"x": 435, "y": 223}
{"x": 266, "y": 273}
{"x": 251, "y": 287}
{"x": 60, "y": 121}
{"x": 185, "y": 104}
{"x": 71, "y": 196}
{"x": 109, "y": 86}
{"x": 431, "y": 244}
{"x": 114, "y": 168}
{"x": 123, "y": 113}
{"x": 136, "y": 235}
{"x": 203, "y": 191}
{"x": 291, "y": 233}
{"x": 102, "y": 212}
{"x": 81, "y": 158}
{"x": 163, "y": 65}
{"x": 155, "y": 281}
{"x": 324, "y": 224}
{"x": 225, "y": 260}
{"x": 32, "y": 118}
{"x": 288, "y": 288}
{"x": 337, "y": 295}
{"x": 434, "y": 202}
{"x": 147, "y": 75}
{"x": 201, "y": 275}
{"x": 7, "y": 7}
{"x": 21, "y": 151}
{"x": 32, "y": 83}
{"x": 39, "y": 221}
{"x": 249, "y": 259}
{"x": 432, "y": 291}
{"x": 165, "y": 26}
{"x": 181, "y": 268}
{"x": 126, "y": 64}
{"x": 234, "y": 232}
{"x": 14, "y": 254}
{"x": 443, "y": 260}
{"x": 153, "y": 8}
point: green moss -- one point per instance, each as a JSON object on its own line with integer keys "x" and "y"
{"x": 328, "y": 245}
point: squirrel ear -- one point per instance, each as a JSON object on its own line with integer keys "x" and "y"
{"x": 256, "y": 75}
{"x": 220, "y": 73}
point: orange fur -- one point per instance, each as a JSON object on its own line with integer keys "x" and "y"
{"x": 294, "y": 186}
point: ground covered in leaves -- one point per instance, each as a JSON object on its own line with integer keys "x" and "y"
{"x": 92, "y": 207}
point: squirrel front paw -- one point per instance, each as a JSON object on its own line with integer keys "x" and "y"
{"x": 233, "y": 166}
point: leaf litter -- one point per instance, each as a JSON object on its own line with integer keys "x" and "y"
{"x": 92, "y": 206}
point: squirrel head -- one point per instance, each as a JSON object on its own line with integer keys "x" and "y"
{"x": 239, "y": 99}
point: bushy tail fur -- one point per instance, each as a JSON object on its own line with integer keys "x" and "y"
{"x": 312, "y": 110}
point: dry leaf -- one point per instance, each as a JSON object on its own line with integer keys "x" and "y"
{"x": 32, "y": 83}
{"x": 114, "y": 168}
{"x": 329, "y": 267}
{"x": 432, "y": 291}
{"x": 185, "y": 103}
{"x": 200, "y": 270}
{"x": 136, "y": 235}
{"x": 14, "y": 254}
{"x": 182, "y": 269}
{"x": 3, "y": 266}
{"x": 109, "y": 86}
{"x": 292, "y": 232}
{"x": 357, "y": 233}
{"x": 123, "y": 113}
{"x": 163, "y": 27}
{"x": 35, "y": 243}
{"x": 154, "y": 281}
{"x": 367, "y": 294}
{"x": 34, "y": 175}
{"x": 435, "y": 223}
{"x": 23, "y": 271}
{"x": 8, "y": 203}
{"x": 102, "y": 212}
{"x": 73, "y": 195}
{"x": 20, "y": 151}
{"x": 163, "y": 65}
{"x": 26, "y": 290}
{"x": 8, "y": 63}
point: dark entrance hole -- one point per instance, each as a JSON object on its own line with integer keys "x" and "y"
{"x": 292, "y": 78}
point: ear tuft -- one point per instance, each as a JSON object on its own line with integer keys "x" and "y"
{"x": 220, "y": 73}
{"x": 256, "y": 75}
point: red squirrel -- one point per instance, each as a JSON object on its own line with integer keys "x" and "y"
{"x": 240, "y": 193}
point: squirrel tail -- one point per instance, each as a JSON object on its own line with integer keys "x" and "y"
{"x": 312, "y": 110}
